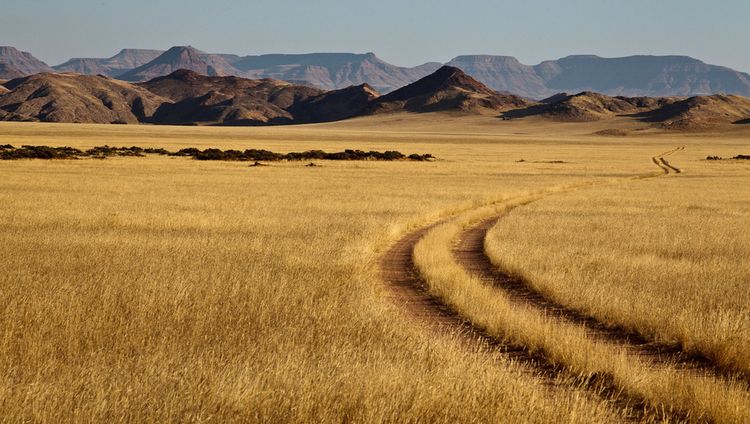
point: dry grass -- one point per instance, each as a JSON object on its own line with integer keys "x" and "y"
{"x": 164, "y": 289}
{"x": 666, "y": 257}
{"x": 568, "y": 345}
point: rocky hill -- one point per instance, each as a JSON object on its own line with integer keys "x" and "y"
{"x": 588, "y": 106}
{"x": 77, "y": 98}
{"x": 690, "y": 114}
{"x": 701, "y": 112}
{"x": 187, "y": 97}
{"x": 335, "y": 105}
{"x": 225, "y": 100}
{"x": 124, "y": 61}
{"x": 183, "y": 84}
{"x": 448, "y": 88}
{"x": 240, "y": 101}
{"x": 180, "y": 57}
{"x": 17, "y": 63}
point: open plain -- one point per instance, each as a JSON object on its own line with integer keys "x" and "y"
{"x": 155, "y": 289}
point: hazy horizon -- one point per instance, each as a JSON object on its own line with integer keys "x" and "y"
{"x": 405, "y": 35}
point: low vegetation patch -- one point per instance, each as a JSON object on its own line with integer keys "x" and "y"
{"x": 540, "y": 161}
{"x": 738, "y": 157}
{"x": 9, "y": 152}
{"x": 265, "y": 155}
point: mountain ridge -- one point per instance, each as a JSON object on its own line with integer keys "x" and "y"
{"x": 448, "y": 88}
{"x": 188, "y": 98}
{"x": 176, "y": 58}
{"x": 122, "y": 62}
{"x": 637, "y": 75}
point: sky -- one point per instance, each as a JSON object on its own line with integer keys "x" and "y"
{"x": 402, "y": 32}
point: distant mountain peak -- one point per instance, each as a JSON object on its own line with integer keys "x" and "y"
{"x": 581, "y": 56}
{"x": 124, "y": 61}
{"x": 181, "y": 57}
{"x": 640, "y": 75}
{"x": 447, "y": 77}
{"x": 19, "y": 62}
{"x": 447, "y": 89}
{"x": 181, "y": 51}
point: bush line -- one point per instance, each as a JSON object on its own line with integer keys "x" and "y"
{"x": 8, "y": 152}
{"x": 738, "y": 157}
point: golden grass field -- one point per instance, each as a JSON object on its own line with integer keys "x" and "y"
{"x": 163, "y": 289}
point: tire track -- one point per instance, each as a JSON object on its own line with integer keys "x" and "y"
{"x": 409, "y": 291}
{"x": 471, "y": 255}
{"x": 663, "y": 164}
{"x": 668, "y": 165}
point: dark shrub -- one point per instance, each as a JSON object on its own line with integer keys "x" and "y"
{"x": 100, "y": 152}
{"x": 114, "y": 151}
{"x": 156, "y": 151}
{"x": 392, "y": 155}
{"x": 190, "y": 151}
{"x": 40, "y": 152}
{"x": 210, "y": 154}
{"x": 265, "y": 155}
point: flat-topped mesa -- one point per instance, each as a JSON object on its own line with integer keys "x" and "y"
{"x": 639, "y": 75}
{"x": 18, "y": 63}
{"x": 448, "y": 88}
{"x": 119, "y": 64}
{"x": 503, "y": 73}
{"x": 333, "y": 70}
{"x": 8, "y": 72}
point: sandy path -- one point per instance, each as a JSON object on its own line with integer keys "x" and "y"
{"x": 409, "y": 291}
{"x": 470, "y": 254}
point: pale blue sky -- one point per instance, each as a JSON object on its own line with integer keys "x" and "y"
{"x": 402, "y": 32}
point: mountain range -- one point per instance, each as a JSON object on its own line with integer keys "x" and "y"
{"x": 122, "y": 62}
{"x": 627, "y": 76}
{"x": 653, "y": 76}
{"x": 190, "y": 98}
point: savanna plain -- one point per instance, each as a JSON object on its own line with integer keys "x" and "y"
{"x": 166, "y": 289}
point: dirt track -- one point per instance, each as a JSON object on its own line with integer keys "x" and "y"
{"x": 409, "y": 291}
{"x": 471, "y": 256}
